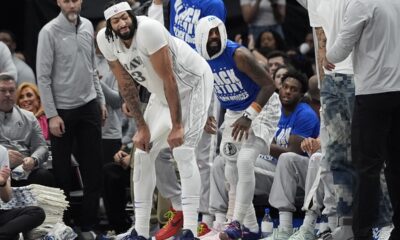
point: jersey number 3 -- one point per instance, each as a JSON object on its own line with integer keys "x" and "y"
{"x": 138, "y": 76}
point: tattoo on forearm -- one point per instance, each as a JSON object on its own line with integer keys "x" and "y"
{"x": 129, "y": 92}
{"x": 321, "y": 38}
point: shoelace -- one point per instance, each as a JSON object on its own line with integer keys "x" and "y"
{"x": 170, "y": 215}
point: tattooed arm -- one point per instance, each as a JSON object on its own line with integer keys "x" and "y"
{"x": 246, "y": 62}
{"x": 130, "y": 93}
{"x": 162, "y": 64}
{"x": 321, "y": 55}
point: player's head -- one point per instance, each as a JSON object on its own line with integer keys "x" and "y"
{"x": 294, "y": 86}
{"x": 210, "y": 37}
{"x": 121, "y": 21}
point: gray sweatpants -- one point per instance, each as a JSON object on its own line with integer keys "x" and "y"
{"x": 290, "y": 174}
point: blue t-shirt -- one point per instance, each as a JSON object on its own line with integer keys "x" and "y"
{"x": 303, "y": 121}
{"x": 234, "y": 89}
{"x": 185, "y": 14}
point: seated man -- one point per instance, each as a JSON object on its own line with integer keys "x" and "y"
{"x": 298, "y": 121}
{"x": 14, "y": 221}
{"x": 22, "y": 136}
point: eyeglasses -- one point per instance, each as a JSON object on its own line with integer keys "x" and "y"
{"x": 10, "y": 91}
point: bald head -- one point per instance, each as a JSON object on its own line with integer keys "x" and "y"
{"x": 313, "y": 89}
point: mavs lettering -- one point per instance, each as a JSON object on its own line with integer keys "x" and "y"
{"x": 186, "y": 19}
{"x": 228, "y": 87}
{"x": 132, "y": 66}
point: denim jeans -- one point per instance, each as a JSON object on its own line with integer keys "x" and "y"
{"x": 337, "y": 101}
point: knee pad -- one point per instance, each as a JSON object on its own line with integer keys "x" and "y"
{"x": 186, "y": 159}
{"x": 141, "y": 160}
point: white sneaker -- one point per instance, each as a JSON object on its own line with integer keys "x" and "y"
{"x": 303, "y": 234}
{"x": 344, "y": 232}
{"x": 384, "y": 233}
{"x": 280, "y": 234}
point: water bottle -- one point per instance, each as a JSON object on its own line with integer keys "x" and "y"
{"x": 267, "y": 226}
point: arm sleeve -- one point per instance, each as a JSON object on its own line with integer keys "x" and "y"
{"x": 38, "y": 145}
{"x": 355, "y": 17}
{"x": 6, "y": 63}
{"x": 105, "y": 47}
{"x": 156, "y": 12}
{"x": 152, "y": 36}
{"x": 112, "y": 96}
{"x": 44, "y": 67}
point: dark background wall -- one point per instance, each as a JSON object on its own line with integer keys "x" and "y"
{"x": 25, "y": 18}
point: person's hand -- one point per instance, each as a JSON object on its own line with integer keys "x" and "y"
{"x": 175, "y": 137}
{"x": 16, "y": 158}
{"x": 4, "y": 174}
{"x": 119, "y": 155}
{"x": 310, "y": 145}
{"x": 104, "y": 114}
{"x": 141, "y": 140}
{"x": 56, "y": 126}
{"x": 328, "y": 65}
{"x": 211, "y": 125}
{"x": 250, "y": 42}
{"x": 238, "y": 39}
{"x": 126, "y": 111}
{"x": 122, "y": 158}
{"x": 241, "y": 128}
{"x": 28, "y": 164}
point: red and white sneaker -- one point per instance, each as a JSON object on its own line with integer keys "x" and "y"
{"x": 172, "y": 227}
{"x": 202, "y": 229}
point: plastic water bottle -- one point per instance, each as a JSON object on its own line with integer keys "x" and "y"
{"x": 267, "y": 226}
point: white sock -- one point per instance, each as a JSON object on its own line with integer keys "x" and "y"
{"x": 176, "y": 202}
{"x": 240, "y": 211}
{"x": 208, "y": 219}
{"x": 142, "y": 217}
{"x": 250, "y": 220}
{"x": 310, "y": 220}
{"x": 220, "y": 217}
{"x": 231, "y": 205}
{"x": 286, "y": 220}
{"x": 333, "y": 222}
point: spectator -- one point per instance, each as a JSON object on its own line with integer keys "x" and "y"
{"x": 22, "y": 136}
{"x": 278, "y": 76}
{"x": 270, "y": 41}
{"x": 276, "y": 59}
{"x": 15, "y": 221}
{"x": 74, "y": 104}
{"x": 28, "y": 98}
{"x": 112, "y": 130}
{"x": 312, "y": 96}
{"x": 24, "y": 71}
{"x": 7, "y": 66}
{"x": 262, "y": 15}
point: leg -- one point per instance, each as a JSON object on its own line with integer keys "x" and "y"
{"x": 337, "y": 96}
{"x": 15, "y": 221}
{"x": 218, "y": 191}
{"x": 41, "y": 176}
{"x": 116, "y": 180}
{"x": 190, "y": 180}
{"x": 88, "y": 139}
{"x": 110, "y": 147}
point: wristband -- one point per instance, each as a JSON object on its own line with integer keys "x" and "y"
{"x": 252, "y": 111}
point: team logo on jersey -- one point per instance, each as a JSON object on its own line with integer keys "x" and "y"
{"x": 230, "y": 149}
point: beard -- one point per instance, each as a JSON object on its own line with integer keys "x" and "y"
{"x": 213, "y": 47}
{"x": 126, "y": 35}
{"x": 72, "y": 17}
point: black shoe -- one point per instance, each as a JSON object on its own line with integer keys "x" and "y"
{"x": 186, "y": 234}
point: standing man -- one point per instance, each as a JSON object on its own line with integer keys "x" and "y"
{"x": 244, "y": 88}
{"x": 73, "y": 102}
{"x": 180, "y": 81}
{"x": 370, "y": 29}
